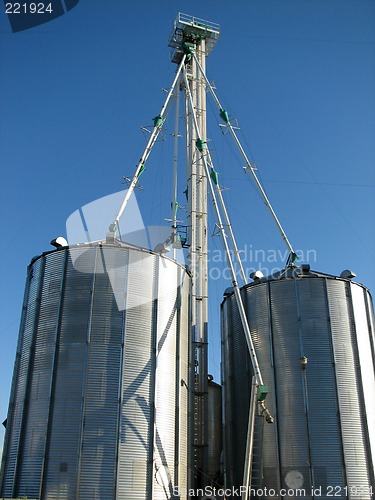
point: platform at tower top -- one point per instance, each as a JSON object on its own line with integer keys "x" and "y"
{"x": 192, "y": 29}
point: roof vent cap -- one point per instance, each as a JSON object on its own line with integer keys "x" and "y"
{"x": 305, "y": 268}
{"x": 59, "y": 242}
{"x": 347, "y": 274}
{"x": 256, "y": 275}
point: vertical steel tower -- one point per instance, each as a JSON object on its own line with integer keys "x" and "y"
{"x": 191, "y": 40}
{"x": 192, "y": 35}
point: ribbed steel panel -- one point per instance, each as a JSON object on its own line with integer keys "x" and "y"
{"x": 97, "y": 321}
{"x": 135, "y": 431}
{"x": 18, "y": 399}
{"x": 265, "y": 469}
{"x": 60, "y": 477}
{"x": 364, "y": 338}
{"x": 371, "y": 333}
{"x": 183, "y": 382}
{"x": 349, "y": 386}
{"x": 291, "y": 411}
{"x": 165, "y": 398}
{"x": 324, "y": 412}
{"x": 236, "y": 369}
{"x": 324, "y": 433}
{"x": 39, "y": 380}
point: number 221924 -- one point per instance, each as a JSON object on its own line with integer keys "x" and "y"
{"x": 31, "y": 8}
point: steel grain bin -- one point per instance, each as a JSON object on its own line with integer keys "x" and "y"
{"x": 98, "y": 406}
{"x": 314, "y": 338}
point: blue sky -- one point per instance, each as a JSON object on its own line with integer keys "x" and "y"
{"x": 299, "y": 76}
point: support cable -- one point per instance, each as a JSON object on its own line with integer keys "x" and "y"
{"x": 224, "y": 116}
{"x": 214, "y": 177}
{"x": 245, "y": 325}
{"x": 158, "y": 122}
{"x": 175, "y": 165}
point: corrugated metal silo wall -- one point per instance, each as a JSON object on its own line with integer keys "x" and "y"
{"x": 97, "y": 399}
{"x": 324, "y": 414}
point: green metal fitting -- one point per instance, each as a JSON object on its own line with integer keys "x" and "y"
{"x": 188, "y": 47}
{"x": 176, "y": 207}
{"x": 293, "y": 257}
{"x": 158, "y": 121}
{"x": 214, "y": 176}
{"x": 224, "y": 115}
{"x": 262, "y": 392}
{"x": 141, "y": 170}
{"x": 200, "y": 144}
